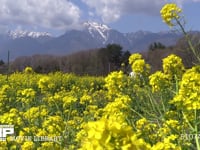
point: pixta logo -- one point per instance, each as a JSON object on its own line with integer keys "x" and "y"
{"x": 6, "y": 130}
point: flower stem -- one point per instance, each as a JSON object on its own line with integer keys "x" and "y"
{"x": 188, "y": 40}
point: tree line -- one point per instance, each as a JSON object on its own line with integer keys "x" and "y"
{"x": 90, "y": 62}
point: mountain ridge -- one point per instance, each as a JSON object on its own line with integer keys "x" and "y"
{"x": 90, "y": 36}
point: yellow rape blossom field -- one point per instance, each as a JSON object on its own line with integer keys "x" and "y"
{"x": 59, "y": 111}
{"x": 158, "y": 111}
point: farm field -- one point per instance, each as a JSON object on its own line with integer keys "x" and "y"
{"x": 158, "y": 111}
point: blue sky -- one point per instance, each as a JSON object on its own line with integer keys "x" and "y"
{"x": 57, "y": 16}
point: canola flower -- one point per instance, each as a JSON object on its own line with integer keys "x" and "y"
{"x": 12, "y": 117}
{"x": 167, "y": 144}
{"x": 115, "y": 83}
{"x": 187, "y": 97}
{"x": 173, "y": 69}
{"x": 26, "y": 96}
{"x": 173, "y": 66}
{"x": 35, "y": 113}
{"x": 159, "y": 81}
{"x": 111, "y": 134}
{"x": 28, "y": 70}
{"x": 170, "y": 13}
{"x": 45, "y": 84}
{"x": 138, "y": 65}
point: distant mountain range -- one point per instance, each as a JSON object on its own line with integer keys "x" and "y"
{"x": 91, "y": 35}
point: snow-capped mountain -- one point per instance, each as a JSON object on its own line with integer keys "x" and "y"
{"x": 91, "y": 35}
{"x": 21, "y": 33}
{"x": 99, "y": 31}
{"x": 104, "y": 34}
{"x": 96, "y": 26}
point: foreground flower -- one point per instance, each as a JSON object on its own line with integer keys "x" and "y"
{"x": 187, "y": 97}
{"x": 159, "y": 81}
{"x": 112, "y": 133}
{"x": 170, "y": 13}
{"x": 173, "y": 66}
{"x": 138, "y": 65}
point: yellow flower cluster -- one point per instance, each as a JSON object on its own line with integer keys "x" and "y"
{"x": 26, "y": 95}
{"x": 45, "y": 84}
{"x": 34, "y": 114}
{"x": 138, "y": 65}
{"x": 173, "y": 66}
{"x": 173, "y": 69}
{"x": 116, "y": 83}
{"x": 170, "y": 13}
{"x": 134, "y": 57}
{"x": 188, "y": 97}
{"x": 4, "y": 97}
{"x": 12, "y": 117}
{"x": 111, "y": 134}
{"x": 159, "y": 81}
{"x": 53, "y": 125}
{"x": 28, "y": 70}
{"x": 120, "y": 103}
{"x": 167, "y": 144}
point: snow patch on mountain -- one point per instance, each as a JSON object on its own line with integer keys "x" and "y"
{"x": 95, "y": 28}
{"x": 20, "y": 34}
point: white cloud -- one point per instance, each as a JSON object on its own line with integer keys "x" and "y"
{"x": 64, "y": 14}
{"x": 112, "y": 10}
{"x": 57, "y": 14}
